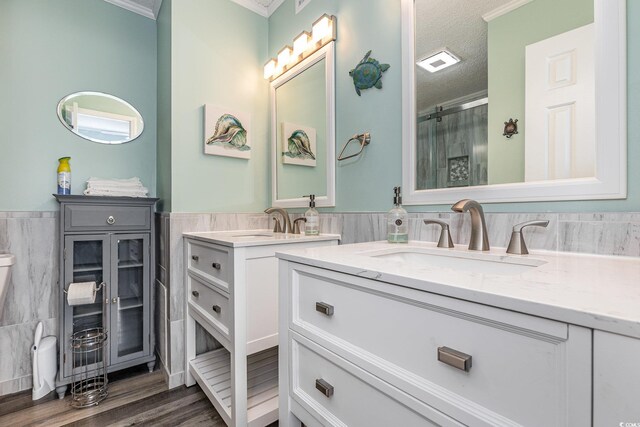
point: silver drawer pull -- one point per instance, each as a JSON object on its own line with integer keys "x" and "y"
{"x": 455, "y": 358}
{"x": 195, "y": 258}
{"x": 324, "y": 387}
{"x": 324, "y": 308}
{"x": 111, "y": 220}
{"x": 216, "y": 265}
{"x": 217, "y": 308}
{"x": 195, "y": 293}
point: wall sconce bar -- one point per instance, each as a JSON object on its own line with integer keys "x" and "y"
{"x": 323, "y": 31}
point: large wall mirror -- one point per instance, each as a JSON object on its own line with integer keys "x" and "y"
{"x": 303, "y": 132}
{"x": 100, "y": 117}
{"x": 474, "y": 71}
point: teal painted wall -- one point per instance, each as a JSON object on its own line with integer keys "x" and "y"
{"x": 218, "y": 49}
{"x": 365, "y": 184}
{"x": 302, "y": 101}
{"x": 508, "y": 35}
{"x": 163, "y": 161}
{"x": 49, "y": 50}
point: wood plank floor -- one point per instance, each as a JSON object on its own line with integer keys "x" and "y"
{"x": 136, "y": 397}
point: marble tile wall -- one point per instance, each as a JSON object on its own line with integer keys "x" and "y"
{"x": 32, "y": 237}
{"x": 598, "y": 233}
{"x": 32, "y": 294}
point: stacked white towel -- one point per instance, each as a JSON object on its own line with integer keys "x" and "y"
{"x": 131, "y": 187}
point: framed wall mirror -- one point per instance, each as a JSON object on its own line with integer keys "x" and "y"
{"x": 303, "y": 132}
{"x": 100, "y": 117}
{"x": 514, "y": 100}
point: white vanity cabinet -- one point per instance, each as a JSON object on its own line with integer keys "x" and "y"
{"x": 231, "y": 290}
{"x": 616, "y": 380}
{"x": 361, "y": 352}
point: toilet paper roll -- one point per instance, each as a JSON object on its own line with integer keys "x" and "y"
{"x": 81, "y": 293}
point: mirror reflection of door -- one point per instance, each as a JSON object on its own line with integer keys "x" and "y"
{"x": 463, "y": 99}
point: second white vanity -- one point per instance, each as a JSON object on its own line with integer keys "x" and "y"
{"x": 381, "y": 334}
{"x": 231, "y": 286}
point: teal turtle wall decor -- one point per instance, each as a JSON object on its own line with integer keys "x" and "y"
{"x": 368, "y": 73}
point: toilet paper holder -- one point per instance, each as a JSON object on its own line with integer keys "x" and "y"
{"x": 100, "y": 286}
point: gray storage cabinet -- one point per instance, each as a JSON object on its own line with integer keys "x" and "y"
{"x": 108, "y": 240}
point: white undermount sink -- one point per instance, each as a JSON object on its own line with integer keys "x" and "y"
{"x": 459, "y": 260}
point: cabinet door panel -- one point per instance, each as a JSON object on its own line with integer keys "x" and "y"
{"x": 616, "y": 380}
{"x": 130, "y": 297}
{"x": 86, "y": 260}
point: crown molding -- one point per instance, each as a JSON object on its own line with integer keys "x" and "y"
{"x": 259, "y": 9}
{"x": 504, "y": 9}
{"x": 149, "y": 12}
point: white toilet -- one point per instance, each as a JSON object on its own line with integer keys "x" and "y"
{"x": 6, "y": 261}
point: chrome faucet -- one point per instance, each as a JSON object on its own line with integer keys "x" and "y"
{"x": 285, "y": 218}
{"x": 479, "y": 239}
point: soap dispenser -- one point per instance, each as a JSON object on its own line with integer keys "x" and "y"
{"x": 397, "y": 220}
{"x": 312, "y": 226}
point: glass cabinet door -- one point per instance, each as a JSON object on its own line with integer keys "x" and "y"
{"x": 86, "y": 260}
{"x": 130, "y": 296}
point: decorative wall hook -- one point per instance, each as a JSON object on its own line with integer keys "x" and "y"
{"x": 510, "y": 128}
{"x": 363, "y": 138}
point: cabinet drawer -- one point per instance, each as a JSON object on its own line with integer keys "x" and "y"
{"x": 211, "y": 262}
{"x": 106, "y": 217}
{"x": 337, "y": 393}
{"x": 214, "y": 303}
{"x": 515, "y": 359}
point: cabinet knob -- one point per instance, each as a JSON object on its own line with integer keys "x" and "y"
{"x": 111, "y": 220}
{"x": 114, "y": 300}
{"x": 455, "y": 358}
{"x": 195, "y": 293}
{"x": 324, "y": 387}
{"x": 216, "y": 265}
{"x": 217, "y": 308}
{"x": 195, "y": 258}
{"x": 324, "y": 308}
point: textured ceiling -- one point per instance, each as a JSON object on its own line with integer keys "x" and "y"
{"x": 458, "y": 26}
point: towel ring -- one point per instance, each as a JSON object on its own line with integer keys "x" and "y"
{"x": 363, "y": 138}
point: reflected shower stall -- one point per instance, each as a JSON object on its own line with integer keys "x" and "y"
{"x": 451, "y": 146}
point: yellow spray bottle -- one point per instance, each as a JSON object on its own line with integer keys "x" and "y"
{"x": 64, "y": 175}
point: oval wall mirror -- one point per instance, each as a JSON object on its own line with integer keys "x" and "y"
{"x": 100, "y": 117}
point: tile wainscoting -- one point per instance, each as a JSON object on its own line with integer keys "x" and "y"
{"x": 33, "y": 291}
{"x": 32, "y": 295}
{"x": 598, "y": 233}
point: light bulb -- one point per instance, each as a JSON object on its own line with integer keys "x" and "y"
{"x": 269, "y": 68}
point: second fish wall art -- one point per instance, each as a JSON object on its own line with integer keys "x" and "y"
{"x": 226, "y": 132}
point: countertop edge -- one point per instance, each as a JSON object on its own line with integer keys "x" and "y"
{"x": 607, "y": 323}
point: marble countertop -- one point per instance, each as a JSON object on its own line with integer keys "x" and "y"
{"x": 600, "y": 292}
{"x": 244, "y": 238}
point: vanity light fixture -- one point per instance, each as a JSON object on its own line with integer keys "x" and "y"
{"x": 323, "y": 31}
{"x": 438, "y": 61}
